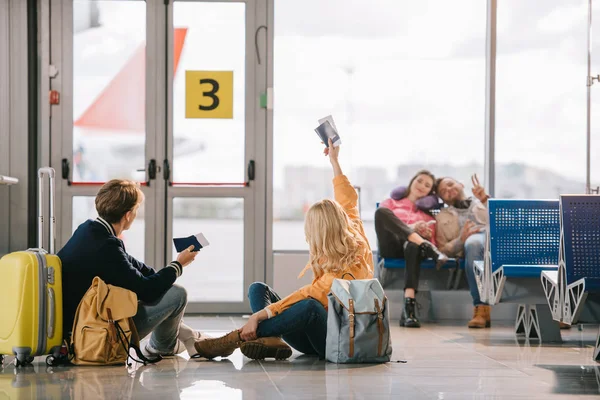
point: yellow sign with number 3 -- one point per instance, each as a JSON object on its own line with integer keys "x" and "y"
{"x": 209, "y": 94}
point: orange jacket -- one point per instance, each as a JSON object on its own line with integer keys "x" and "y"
{"x": 363, "y": 269}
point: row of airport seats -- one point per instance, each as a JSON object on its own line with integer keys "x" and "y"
{"x": 543, "y": 256}
{"x": 522, "y": 242}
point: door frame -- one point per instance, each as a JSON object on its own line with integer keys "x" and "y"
{"x": 254, "y": 195}
{"x": 61, "y": 125}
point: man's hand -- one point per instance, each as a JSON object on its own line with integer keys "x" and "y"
{"x": 187, "y": 256}
{"x": 248, "y": 331}
{"x": 468, "y": 229}
{"x": 478, "y": 190}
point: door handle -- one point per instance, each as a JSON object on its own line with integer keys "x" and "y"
{"x": 66, "y": 170}
{"x": 151, "y": 171}
{"x": 251, "y": 170}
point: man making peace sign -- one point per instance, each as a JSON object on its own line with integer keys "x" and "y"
{"x": 461, "y": 232}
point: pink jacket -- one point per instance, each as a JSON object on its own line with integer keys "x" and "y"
{"x": 407, "y": 212}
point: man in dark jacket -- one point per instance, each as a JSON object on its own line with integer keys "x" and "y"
{"x": 96, "y": 250}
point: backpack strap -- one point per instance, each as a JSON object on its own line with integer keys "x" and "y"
{"x": 128, "y": 345}
{"x": 351, "y": 326}
{"x": 380, "y": 327}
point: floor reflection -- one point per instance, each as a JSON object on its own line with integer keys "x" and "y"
{"x": 575, "y": 379}
{"x": 448, "y": 362}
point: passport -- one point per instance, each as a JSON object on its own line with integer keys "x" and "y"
{"x": 326, "y": 131}
{"x": 199, "y": 242}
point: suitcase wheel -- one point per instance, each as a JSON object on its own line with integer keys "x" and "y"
{"x": 22, "y": 361}
{"x": 51, "y": 361}
{"x": 1, "y": 359}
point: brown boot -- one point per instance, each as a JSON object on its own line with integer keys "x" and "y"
{"x": 481, "y": 317}
{"x": 219, "y": 347}
{"x": 269, "y": 347}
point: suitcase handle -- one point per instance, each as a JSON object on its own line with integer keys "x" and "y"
{"x": 51, "y": 317}
{"x": 51, "y": 175}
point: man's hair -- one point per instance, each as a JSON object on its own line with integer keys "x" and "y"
{"x": 116, "y": 198}
{"x": 437, "y": 183}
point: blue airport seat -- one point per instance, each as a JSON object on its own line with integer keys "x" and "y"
{"x": 581, "y": 230}
{"x": 524, "y": 233}
{"x": 527, "y": 271}
{"x": 580, "y": 260}
{"x": 523, "y": 241}
{"x": 425, "y": 264}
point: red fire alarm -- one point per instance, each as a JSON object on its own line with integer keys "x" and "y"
{"x": 54, "y": 97}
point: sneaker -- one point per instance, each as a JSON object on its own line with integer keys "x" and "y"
{"x": 269, "y": 347}
{"x": 220, "y": 347}
{"x": 180, "y": 347}
{"x": 428, "y": 250}
{"x": 151, "y": 352}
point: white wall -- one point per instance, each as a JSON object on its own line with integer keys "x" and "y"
{"x": 13, "y": 123}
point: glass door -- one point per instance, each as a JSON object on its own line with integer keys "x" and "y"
{"x": 166, "y": 93}
{"x": 211, "y": 149}
{"x": 105, "y": 80}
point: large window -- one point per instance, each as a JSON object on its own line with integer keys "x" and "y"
{"x": 405, "y": 83}
{"x": 109, "y": 89}
{"x": 541, "y": 98}
{"x": 595, "y": 104}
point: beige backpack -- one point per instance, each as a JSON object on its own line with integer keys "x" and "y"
{"x": 103, "y": 329}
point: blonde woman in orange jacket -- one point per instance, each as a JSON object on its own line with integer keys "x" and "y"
{"x": 338, "y": 246}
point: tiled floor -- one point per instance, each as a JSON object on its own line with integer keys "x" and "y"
{"x": 444, "y": 362}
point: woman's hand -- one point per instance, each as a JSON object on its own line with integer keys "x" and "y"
{"x": 427, "y": 233}
{"x": 333, "y": 153}
{"x": 423, "y": 230}
{"x": 248, "y": 331}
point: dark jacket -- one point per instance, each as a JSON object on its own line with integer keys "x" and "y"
{"x": 94, "y": 250}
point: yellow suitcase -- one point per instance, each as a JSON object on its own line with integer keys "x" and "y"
{"x": 31, "y": 297}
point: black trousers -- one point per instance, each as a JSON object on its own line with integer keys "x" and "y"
{"x": 392, "y": 238}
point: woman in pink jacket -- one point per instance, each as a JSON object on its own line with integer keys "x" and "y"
{"x": 404, "y": 231}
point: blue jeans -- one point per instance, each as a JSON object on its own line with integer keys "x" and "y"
{"x": 474, "y": 249}
{"x": 303, "y": 326}
{"x": 162, "y": 319}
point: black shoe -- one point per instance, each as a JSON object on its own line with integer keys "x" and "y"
{"x": 409, "y": 314}
{"x": 430, "y": 251}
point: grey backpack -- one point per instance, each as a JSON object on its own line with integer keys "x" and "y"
{"x": 358, "y": 323}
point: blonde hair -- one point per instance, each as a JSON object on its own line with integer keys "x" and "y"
{"x": 333, "y": 240}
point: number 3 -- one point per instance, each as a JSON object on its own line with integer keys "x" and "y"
{"x": 211, "y": 94}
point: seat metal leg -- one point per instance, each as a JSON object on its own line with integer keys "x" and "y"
{"x": 542, "y": 325}
{"x": 521, "y": 322}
